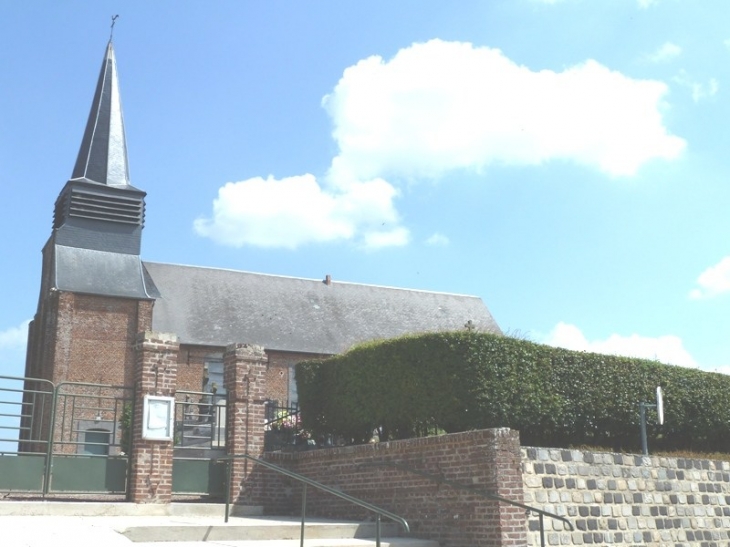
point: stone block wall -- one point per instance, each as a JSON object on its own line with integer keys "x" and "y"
{"x": 486, "y": 459}
{"x": 622, "y": 499}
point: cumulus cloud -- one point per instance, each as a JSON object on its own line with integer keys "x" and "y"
{"x": 437, "y": 240}
{"x": 666, "y": 52}
{"x": 666, "y": 349}
{"x": 714, "y": 281}
{"x": 435, "y": 108}
{"x": 441, "y": 106}
{"x": 293, "y": 211}
{"x": 699, "y": 90}
{"x": 643, "y": 4}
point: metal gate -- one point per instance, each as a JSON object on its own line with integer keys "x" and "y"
{"x": 70, "y": 438}
{"x": 200, "y": 437}
{"x": 25, "y": 421}
{"x": 89, "y": 451}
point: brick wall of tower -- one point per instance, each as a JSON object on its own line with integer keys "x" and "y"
{"x": 87, "y": 338}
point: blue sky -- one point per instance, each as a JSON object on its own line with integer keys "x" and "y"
{"x": 566, "y": 161}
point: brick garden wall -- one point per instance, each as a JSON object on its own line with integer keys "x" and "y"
{"x": 620, "y": 499}
{"x": 487, "y": 459}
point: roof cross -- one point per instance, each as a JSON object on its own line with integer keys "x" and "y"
{"x": 114, "y": 20}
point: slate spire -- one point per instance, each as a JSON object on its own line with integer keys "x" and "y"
{"x": 103, "y": 154}
{"x": 99, "y": 216}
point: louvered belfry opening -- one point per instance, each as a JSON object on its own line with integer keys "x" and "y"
{"x": 106, "y": 204}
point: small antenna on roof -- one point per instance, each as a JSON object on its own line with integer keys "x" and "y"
{"x": 114, "y": 20}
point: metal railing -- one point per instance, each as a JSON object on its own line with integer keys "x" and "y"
{"x": 24, "y": 414}
{"x": 473, "y": 490}
{"x": 379, "y": 512}
{"x": 200, "y": 420}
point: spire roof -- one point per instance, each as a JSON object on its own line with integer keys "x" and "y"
{"x": 103, "y": 154}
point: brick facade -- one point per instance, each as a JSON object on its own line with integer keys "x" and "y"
{"x": 191, "y": 365}
{"x": 66, "y": 338}
{"x": 280, "y": 376}
{"x": 486, "y": 459}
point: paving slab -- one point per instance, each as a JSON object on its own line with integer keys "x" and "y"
{"x": 106, "y": 531}
{"x": 41, "y": 524}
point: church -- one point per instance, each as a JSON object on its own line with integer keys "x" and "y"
{"x": 97, "y": 293}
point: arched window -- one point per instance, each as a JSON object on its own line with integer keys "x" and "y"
{"x": 96, "y": 442}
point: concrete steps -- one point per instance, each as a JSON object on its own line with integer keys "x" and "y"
{"x": 261, "y": 529}
{"x": 121, "y": 509}
{"x": 192, "y": 525}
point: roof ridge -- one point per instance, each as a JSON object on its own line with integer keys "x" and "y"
{"x": 311, "y": 279}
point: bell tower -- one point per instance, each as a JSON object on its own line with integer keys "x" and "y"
{"x": 94, "y": 295}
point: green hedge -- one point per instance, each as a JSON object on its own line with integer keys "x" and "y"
{"x": 465, "y": 380}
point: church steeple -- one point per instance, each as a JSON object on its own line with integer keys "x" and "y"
{"x": 103, "y": 154}
{"x": 99, "y": 208}
{"x": 99, "y": 216}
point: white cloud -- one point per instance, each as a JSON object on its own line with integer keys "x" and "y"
{"x": 296, "y": 210}
{"x": 437, "y": 240}
{"x": 438, "y": 107}
{"x": 714, "y": 281}
{"x": 442, "y": 106}
{"x": 643, "y": 4}
{"x": 665, "y": 53}
{"x": 699, "y": 90}
{"x": 666, "y": 349}
{"x": 13, "y": 342}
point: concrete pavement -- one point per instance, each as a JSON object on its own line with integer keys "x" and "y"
{"x": 41, "y": 524}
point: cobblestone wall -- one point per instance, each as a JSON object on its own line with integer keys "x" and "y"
{"x": 620, "y": 499}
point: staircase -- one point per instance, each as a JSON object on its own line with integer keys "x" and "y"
{"x": 188, "y": 524}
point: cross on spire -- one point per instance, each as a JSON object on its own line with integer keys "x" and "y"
{"x": 114, "y": 20}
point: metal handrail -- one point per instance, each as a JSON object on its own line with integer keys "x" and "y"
{"x": 307, "y": 481}
{"x": 473, "y": 490}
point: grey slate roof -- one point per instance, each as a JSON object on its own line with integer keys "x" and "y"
{"x": 208, "y": 306}
{"x": 99, "y": 272}
{"x": 103, "y": 154}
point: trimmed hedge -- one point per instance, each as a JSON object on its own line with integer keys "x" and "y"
{"x": 465, "y": 380}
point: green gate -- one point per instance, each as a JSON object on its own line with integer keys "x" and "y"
{"x": 69, "y": 438}
{"x": 73, "y": 438}
{"x": 200, "y": 437}
{"x": 90, "y": 438}
{"x": 26, "y": 407}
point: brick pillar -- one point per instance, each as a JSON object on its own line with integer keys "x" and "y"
{"x": 244, "y": 377}
{"x": 155, "y": 374}
{"x": 507, "y": 478}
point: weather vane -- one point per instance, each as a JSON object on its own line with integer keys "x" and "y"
{"x": 114, "y": 20}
